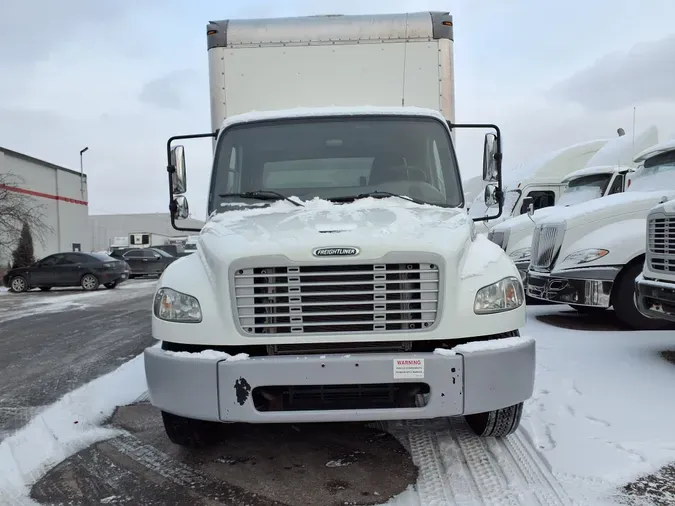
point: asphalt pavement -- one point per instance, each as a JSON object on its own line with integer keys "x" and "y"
{"x": 53, "y": 342}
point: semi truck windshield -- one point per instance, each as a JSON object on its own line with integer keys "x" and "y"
{"x": 337, "y": 157}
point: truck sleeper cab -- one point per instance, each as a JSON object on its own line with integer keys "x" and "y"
{"x": 338, "y": 277}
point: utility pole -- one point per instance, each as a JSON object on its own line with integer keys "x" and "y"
{"x": 82, "y": 151}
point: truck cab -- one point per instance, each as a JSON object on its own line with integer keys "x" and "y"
{"x": 338, "y": 276}
{"x": 590, "y": 255}
{"x": 514, "y": 236}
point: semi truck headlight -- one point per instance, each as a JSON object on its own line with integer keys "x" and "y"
{"x": 520, "y": 255}
{"x": 584, "y": 256}
{"x": 174, "y": 306}
{"x": 504, "y": 295}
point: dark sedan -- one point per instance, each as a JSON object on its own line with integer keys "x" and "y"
{"x": 88, "y": 270}
{"x": 144, "y": 261}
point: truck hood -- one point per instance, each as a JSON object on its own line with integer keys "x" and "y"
{"x": 609, "y": 207}
{"x": 375, "y": 226}
{"x": 523, "y": 221}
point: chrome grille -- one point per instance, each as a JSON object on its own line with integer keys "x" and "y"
{"x": 316, "y": 299}
{"x": 544, "y": 247}
{"x": 661, "y": 243}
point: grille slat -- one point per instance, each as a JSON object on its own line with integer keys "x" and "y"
{"x": 545, "y": 246}
{"x": 319, "y": 299}
{"x": 661, "y": 243}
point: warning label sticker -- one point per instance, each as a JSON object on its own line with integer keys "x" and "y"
{"x": 406, "y": 368}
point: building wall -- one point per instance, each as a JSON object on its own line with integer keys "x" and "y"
{"x": 104, "y": 227}
{"x": 61, "y": 197}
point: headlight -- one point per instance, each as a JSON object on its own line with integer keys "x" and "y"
{"x": 520, "y": 255}
{"x": 498, "y": 297}
{"x": 584, "y": 256}
{"x": 174, "y": 306}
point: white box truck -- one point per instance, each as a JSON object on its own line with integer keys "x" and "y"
{"x": 147, "y": 239}
{"x": 590, "y": 255}
{"x": 339, "y": 276}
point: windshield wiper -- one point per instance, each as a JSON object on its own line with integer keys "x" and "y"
{"x": 262, "y": 195}
{"x": 376, "y": 194}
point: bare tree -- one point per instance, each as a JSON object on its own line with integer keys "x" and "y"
{"x": 16, "y": 209}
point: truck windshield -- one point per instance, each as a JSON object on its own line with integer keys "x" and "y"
{"x": 337, "y": 157}
{"x": 657, "y": 174}
{"x": 584, "y": 189}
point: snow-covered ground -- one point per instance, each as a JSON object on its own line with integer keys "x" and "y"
{"x": 20, "y": 305}
{"x": 600, "y": 416}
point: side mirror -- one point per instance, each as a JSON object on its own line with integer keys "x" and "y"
{"x": 528, "y": 203}
{"x": 179, "y": 208}
{"x": 178, "y": 177}
{"x": 490, "y": 154}
{"x": 490, "y": 195}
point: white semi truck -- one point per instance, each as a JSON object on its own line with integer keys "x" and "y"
{"x": 655, "y": 286}
{"x": 608, "y": 172}
{"x": 539, "y": 182}
{"x": 338, "y": 277}
{"x": 590, "y": 255}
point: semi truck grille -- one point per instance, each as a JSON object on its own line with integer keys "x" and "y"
{"x": 321, "y": 299}
{"x": 545, "y": 247}
{"x": 661, "y": 243}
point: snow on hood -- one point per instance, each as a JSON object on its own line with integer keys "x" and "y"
{"x": 611, "y": 206}
{"x": 369, "y": 224}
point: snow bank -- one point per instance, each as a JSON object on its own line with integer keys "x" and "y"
{"x": 64, "y": 428}
{"x": 210, "y": 355}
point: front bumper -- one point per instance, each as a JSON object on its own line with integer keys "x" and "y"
{"x": 655, "y": 299}
{"x": 220, "y": 390}
{"x": 582, "y": 287}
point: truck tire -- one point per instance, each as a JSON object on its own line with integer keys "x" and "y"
{"x": 497, "y": 423}
{"x": 623, "y": 300}
{"x": 189, "y": 432}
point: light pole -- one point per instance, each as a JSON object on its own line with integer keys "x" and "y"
{"x": 82, "y": 151}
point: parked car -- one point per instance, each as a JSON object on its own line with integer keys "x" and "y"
{"x": 144, "y": 261}
{"x": 175, "y": 250}
{"x": 88, "y": 270}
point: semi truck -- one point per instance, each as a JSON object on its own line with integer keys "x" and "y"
{"x": 338, "y": 276}
{"x": 590, "y": 255}
{"x": 655, "y": 286}
{"x": 607, "y": 172}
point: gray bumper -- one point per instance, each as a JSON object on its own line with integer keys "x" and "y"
{"x": 220, "y": 390}
{"x": 583, "y": 287}
{"x": 655, "y": 299}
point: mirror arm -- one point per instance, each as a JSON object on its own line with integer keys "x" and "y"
{"x": 171, "y": 170}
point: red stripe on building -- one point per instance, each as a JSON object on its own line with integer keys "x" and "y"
{"x": 42, "y": 195}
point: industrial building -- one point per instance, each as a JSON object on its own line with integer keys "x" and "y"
{"x": 61, "y": 195}
{"x": 105, "y": 227}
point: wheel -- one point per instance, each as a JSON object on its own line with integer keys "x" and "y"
{"x": 589, "y": 310}
{"x": 45, "y": 288}
{"x": 18, "y": 284}
{"x": 498, "y": 423}
{"x": 623, "y": 300}
{"x": 89, "y": 282}
{"x": 111, "y": 285}
{"x": 189, "y": 432}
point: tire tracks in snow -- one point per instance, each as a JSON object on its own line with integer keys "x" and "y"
{"x": 458, "y": 468}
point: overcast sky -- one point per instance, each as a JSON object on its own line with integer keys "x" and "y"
{"x": 121, "y": 77}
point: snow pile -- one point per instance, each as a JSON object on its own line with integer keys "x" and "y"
{"x": 64, "y": 428}
{"x": 209, "y": 355}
